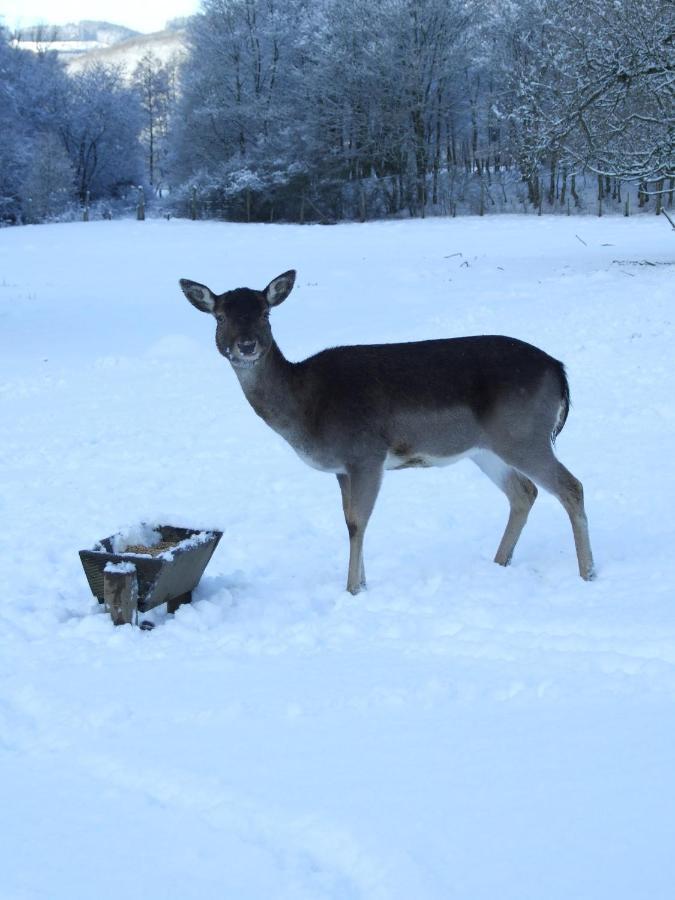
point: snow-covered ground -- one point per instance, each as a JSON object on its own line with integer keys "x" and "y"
{"x": 459, "y": 731}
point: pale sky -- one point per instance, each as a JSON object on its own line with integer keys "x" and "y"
{"x": 141, "y": 15}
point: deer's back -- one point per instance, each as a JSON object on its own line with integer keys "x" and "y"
{"x": 469, "y": 371}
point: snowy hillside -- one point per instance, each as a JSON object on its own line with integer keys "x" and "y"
{"x": 84, "y": 43}
{"x": 73, "y": 39}
{"x": 459, "y": 731}
{"x": 166, "y": 46}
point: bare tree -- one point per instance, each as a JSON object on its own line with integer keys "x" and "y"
{"x": 154, "y": 82}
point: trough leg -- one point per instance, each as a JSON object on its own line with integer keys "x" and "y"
{"x": 172, "y": 605}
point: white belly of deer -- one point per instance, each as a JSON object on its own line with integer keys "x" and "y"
{"x": 422, "y": 460}
{"x": 320, "y": 464}
{"x": 392, "y": 461}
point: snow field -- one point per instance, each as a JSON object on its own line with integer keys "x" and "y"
{"x": 459, "y": 730}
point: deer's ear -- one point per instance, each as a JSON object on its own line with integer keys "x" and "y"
{"x": 198, "y": 295}
{"x": 277, "y": 290}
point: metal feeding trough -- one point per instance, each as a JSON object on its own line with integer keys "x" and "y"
{"x": 146, "y": 567}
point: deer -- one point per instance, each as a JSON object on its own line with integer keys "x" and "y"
{"x": 358, "y": 411}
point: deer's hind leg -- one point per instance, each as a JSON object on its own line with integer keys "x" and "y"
{"x": 521, "y": 494}
{"x": 546, "y": 469}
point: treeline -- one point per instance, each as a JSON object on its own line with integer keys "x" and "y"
{"x": 321, "y": 110}
{"x": 353, "y": 108}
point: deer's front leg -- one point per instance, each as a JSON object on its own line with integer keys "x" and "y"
{"x": 346, "y": 490}
{"x": 360, "y": 487}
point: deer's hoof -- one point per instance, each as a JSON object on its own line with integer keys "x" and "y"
{"x": 355, "y": 589}
{"x": 503, "y": 560}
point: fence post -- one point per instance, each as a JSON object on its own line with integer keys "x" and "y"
{"x": 120, "y": 592}
{"x": 626, "y": 210}
{"x": 85, "y": 210}
{"x": 193, "y": 204}
{"x": 140, "y": 209}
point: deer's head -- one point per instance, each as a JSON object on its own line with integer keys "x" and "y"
{"x": 243, "y": 332}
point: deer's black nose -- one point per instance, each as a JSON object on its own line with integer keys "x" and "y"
{"x": 247, "y": 348}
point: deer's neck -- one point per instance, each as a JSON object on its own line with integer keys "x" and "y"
{"x": 271, "y": 387}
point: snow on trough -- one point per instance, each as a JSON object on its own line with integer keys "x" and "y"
{"x": 459, "y": 730}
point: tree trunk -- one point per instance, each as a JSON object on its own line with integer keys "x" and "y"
{"x": 533, "y": 192}
{"x": 552, "y": 182}
{"x": 420, "y": 162}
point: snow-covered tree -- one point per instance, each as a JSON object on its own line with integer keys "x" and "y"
{"x": 31, "y": 88}
{"x": 590, "y": 85}
{"x": 615, "y": 69}
{"x": 234, "y": 104}
{"x": 49, "y": 185}
{"x": 100, "y": 128}
{"x": 62, "y": 136}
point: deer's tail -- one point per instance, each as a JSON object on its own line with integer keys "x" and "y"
{"x": 564, "y": 408}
